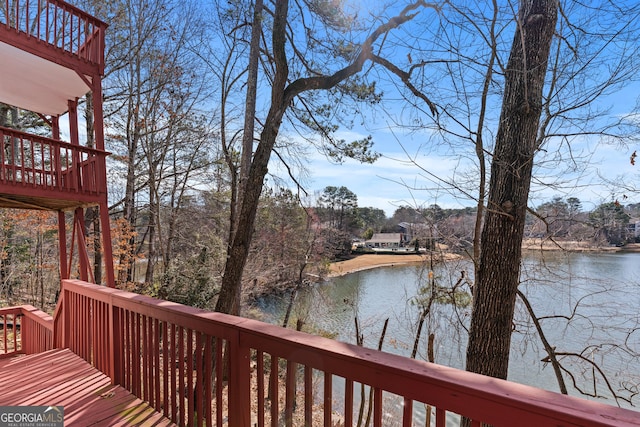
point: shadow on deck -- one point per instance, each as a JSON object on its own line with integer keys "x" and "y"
{"x": 61, "y": 378}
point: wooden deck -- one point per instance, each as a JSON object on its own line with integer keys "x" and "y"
{"x": 169, "y": 357}
{"x": 59, "y": 377}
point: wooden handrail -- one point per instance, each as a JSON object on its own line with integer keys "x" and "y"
{"x": 172, "y": 356}
{"x": 31, "y": 331}
{"x": 39, "y": 162}
{"x": 58, "y": 24}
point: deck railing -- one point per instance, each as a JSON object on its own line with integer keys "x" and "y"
{"x": 172, "y": 356}
{"x": 57, "y": 24}
{"x": 28, "y": 160}
{"x": 25, "y": 330}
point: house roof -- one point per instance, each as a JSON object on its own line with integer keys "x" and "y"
{"x": 385, "y": 237}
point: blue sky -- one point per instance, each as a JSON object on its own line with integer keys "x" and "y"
{"x": 393, "y": 180}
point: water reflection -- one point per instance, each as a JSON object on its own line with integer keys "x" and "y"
{"x": 588, "y": 305}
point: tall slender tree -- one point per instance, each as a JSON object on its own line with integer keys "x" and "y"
{"x": 283, "y": 93}
{"x": 494, "y": 293}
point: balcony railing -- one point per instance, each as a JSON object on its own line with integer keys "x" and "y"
{"x": 25, "y": 330}
{"x": 35, "y": 162}
{"x": 57, "y": 24}
{"x": 201, "y": 368}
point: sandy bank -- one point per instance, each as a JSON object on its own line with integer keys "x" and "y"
{"x": 368, "y": 261}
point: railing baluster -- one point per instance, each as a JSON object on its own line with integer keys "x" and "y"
{"x": 208, "y": 378}
{"x": 22, "y": 162}
{"x": 156, "y": 363}
{"x": 290, "y": 393}
{"x": 190, "y": 390}
{"x": 172, "y": 368}
{"x": 377, "y": 407}
{"x": 165, "y": 367}
{"x": 260, "y": 385}
{"x": 3, "y": 161}
{"x": 328, "y": 399}
{"x": 27, "y": 20}
{"x": 273, "y": 390}
{"x": 181, "y": 373}
{"x": 144, "y": 383}
{"x": 348, "y": 402}
{"x": 308, "y": 396}
{"x": 82, "y": 321}
{"x": 407, "y": 413}
{"x": 126, "y": 351}
{"x": 200, "y": 379}
{"x": 94, "y": 355}
{"x": 15, "y": 333}
{"x": 38, "y": 22}
{"x": 219, "y": 385}
{"x": 441, "y": 417}
{"x": 33, "y": 164}
{"x": 4, "y": 332}
{"x": 47, "y": 27}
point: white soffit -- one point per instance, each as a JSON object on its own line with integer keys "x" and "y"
{"x": 35, "y": 84}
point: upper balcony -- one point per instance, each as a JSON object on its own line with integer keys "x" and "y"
{"x": 44, "y": 173}
{"x": 51, "y": 52}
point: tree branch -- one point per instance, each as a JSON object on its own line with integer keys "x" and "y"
{"x": 366, "y": 53}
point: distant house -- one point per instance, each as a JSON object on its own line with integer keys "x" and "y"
{"x": 385, "y": 240}
{"x": 416, "y": 230}
{"x": 634, "y": 228}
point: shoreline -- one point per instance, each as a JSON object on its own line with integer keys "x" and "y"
{"x": 371, "y": 261}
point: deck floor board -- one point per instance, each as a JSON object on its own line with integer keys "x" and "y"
{"x": 59, "y": 377}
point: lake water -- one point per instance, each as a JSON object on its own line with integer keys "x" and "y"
{"x": 589, "y": 305}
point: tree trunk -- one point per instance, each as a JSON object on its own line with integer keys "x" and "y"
{"x": 250, "y": 101}
{"x": 498, "y": 276}
{"x": 282, "y": 94}
{"x": 229, "y": 299}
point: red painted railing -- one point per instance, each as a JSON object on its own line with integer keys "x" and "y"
{"x": 28, "y": 160}
{"x": 57, "y": 24}
{"x": 172, "y": 356}
{"x": 25, "y": 330}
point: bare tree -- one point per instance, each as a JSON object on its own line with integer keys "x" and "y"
{"x": 511, "y": 171}
{"x": 153, "y": 86}
{"x": 548, "y": 89}
{"x": 283, "y": 94}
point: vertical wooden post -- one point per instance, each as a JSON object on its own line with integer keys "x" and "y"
{"x": 115, "y": 350}
{"x": 57, "y": 162}
{"x": 66, "y": 317}
{"x": 239, "y": 383}
{"x": 101, "y": 179}
{"x": 83, "y": 256}
{"x": 62, "y": 243}
{"x": 75, "y": 140}
{"x": 107, "y": 251}
{"x": 62, "y": 229}
{"x": 55, "y": 128}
